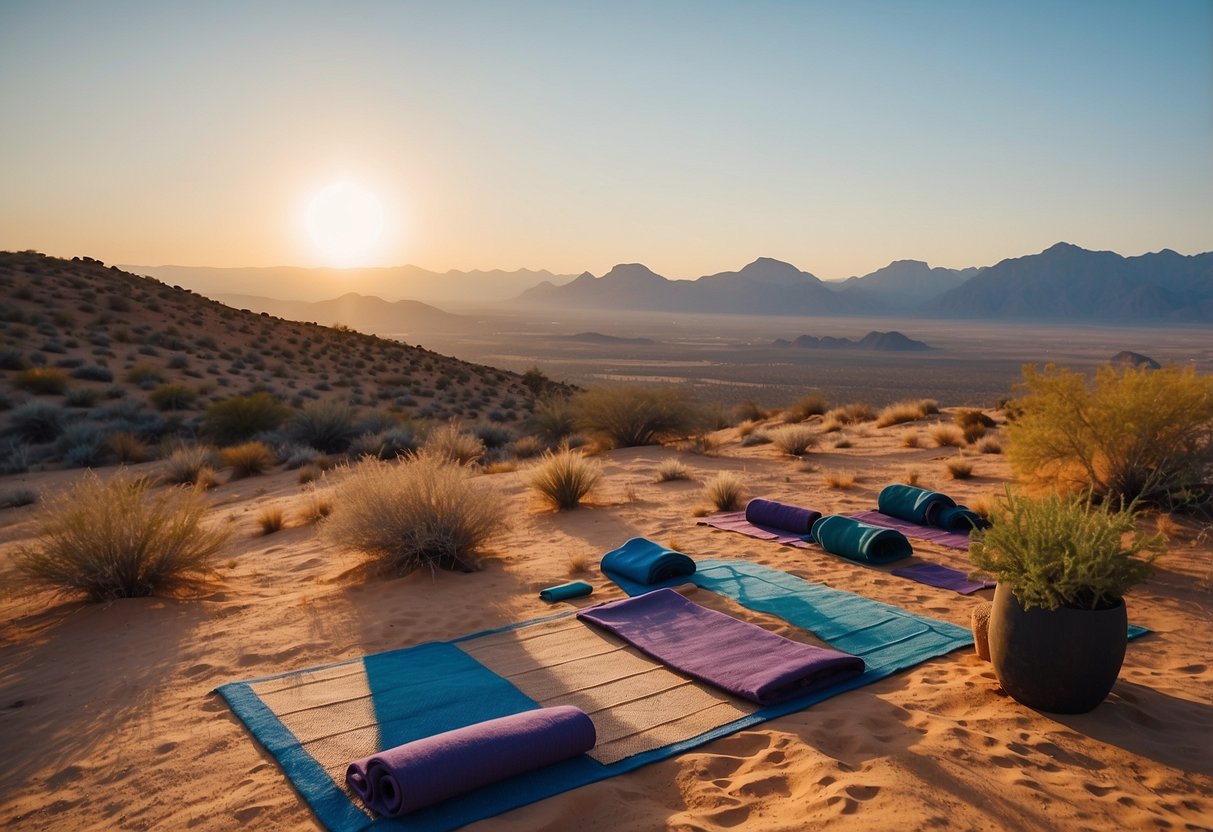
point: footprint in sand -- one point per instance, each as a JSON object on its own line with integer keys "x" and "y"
{"x": 863, "y": 792}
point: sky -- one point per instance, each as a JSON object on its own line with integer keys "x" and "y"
{"x": 693, "y": 137}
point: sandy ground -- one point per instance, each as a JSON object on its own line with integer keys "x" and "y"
{"x": 108, "y": 720}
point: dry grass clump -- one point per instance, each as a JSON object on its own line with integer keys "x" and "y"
{"x": 452, "y": 443}
{"x": 672, "y": 469}
{"x": 947, "y": 436}
{"x": 631, "y": 416}
{"x": 960, "y": 468}
{"x": 501, "y": 466}
{"x": 831, "y": 424}
{"x": 973, "y": 432}
{"x": 989, "y": 445}
{"x": 794, "y": 440}
{"x": 929, "y": 407}
{"x": 911, "y": 440}
{"x": 844, "y": 442}
{"x": 554, "y": 417}
{"x": 758, "y": 437}
{"x": 579, "y": 563}
{"x": 126, "y": 446}
{"x": 841, "y": 480}
{"x": 725, "y": 491}
{"x": 271, "y": 520}
{"x": 327, "y": 426}
{"x": 112, "y": 539}
{"x": 705, "y": 444}
{"x": 983, "y": 504}
{"x": 564, "y": 478}
{"x": 247, "y": 460}
{"x": 748, "y": 411}
{"x": 910, "y": 476}
{"x": 900, "y": 412}
{"x": 242, "y": 417}
{"x": 46, "y": 381}
{"x": 425, "y": 511}
{"x": 849, "y": 414}
{"x": 525, "y": 447}
{"x": 184, "y": 466}
{"x": 813, "y": 404}
{"x": 317, "y": 506}
{"x": 965, "y": 418}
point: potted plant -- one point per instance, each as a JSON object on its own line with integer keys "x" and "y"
{"x": 1058, "y": 625}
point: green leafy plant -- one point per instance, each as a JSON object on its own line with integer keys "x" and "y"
{"x": 1060, "y": 550}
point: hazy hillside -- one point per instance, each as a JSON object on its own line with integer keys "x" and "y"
{"x": 395, "y": 283}
{"x": 908, "y": 285}
{"x": 89, "y": 352}
{"x": 366, "y": 314}
{"x": 1066, "y": 281}
{"x": 875, "y": 341}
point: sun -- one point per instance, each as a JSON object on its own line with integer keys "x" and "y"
{"x": 344, "y": 220}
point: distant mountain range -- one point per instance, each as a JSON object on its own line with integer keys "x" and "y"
{"x": 876, "y": 341}
{"x": 365, "y": 314}
{"x": 1063, "y": 281}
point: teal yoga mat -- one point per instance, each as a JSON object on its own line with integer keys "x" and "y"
{"x": 424, "y": 690}
{"x": 849, "y": 538}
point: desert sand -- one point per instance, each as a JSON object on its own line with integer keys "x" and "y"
{"x": 108, "y": 718}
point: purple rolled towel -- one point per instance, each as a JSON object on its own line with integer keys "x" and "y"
{"x": 426, "y": 771}
{"x": 795, "y": 519}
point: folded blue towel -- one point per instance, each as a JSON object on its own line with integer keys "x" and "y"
{"x": 642, "y": 561}
{"x": 849, "y": 538}
{"x": 562, "y": 592}
{"x": 914, "y": 504}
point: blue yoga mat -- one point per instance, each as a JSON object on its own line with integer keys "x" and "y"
{"x": 424, "y": 690}
{"x": 849, "y": 538}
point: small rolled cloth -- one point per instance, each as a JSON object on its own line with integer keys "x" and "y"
{"x": 562, "y": 592}
{"x": 959, "y": 519}
{"x": 426, "y": 771}
{"x": 849, "y": 538}
{"x": 644, "y": 562}
{"x": 917, "y": 505}
{"x": 782, "y": 516}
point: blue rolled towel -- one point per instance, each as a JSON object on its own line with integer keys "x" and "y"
{"x": 794, "y": 519}
{"x": 644, "y": 562}
{"x": 959, "y": 519}
{"x": 562, "y": 592}
{"x": 917, "y": 505}
{"x": 849, "y": 538}
{"x": 435, "y": 768}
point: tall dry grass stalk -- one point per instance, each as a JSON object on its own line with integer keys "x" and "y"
{"x": 113, "y": 539}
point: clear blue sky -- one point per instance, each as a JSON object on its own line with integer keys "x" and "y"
{"x": 690, "y": 136}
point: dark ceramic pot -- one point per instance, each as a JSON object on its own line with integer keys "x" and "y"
{"x": 1063, "y": 660}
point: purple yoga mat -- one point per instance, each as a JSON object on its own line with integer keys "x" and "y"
{"x": 944, "y": 577}
{"x": 953, "y": 540}
{"x": 788, "y": 518}
{"x": 432, "y": 769}
{"x": 734, "y": 521}
{"x": 739, "y": 657}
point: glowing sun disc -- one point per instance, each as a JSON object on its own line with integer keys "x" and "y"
{"x": 344, "y": 221}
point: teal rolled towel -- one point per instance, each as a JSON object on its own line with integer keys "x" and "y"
{"x": 849, "y": 538}
{"x": 644, "y": 562}
{"x": 563, "y": 592}
{"x": 959, "y": 519}
{"x": 917, "y": 505}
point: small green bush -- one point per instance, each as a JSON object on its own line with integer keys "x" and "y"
{"x": 1059, "y": 551}
{"x": 564, "y": 478}
{"x": 631, "y": 416}
{"x": 243, "y": 417}
{"x": 113, "y": 540}
{"x": 423, "y": 511}
{"x": 327, "y": 426}
{"x": 49, "y": 381}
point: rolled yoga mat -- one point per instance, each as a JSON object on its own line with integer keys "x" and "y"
{"x": 562, "y": 592}
{"x": 781, "y": 516}
{"x": 917, "y": 505}
{"x": 959, "y": 519}
{"x": 849, "y": 538}
{"x": 429, "y": 770}
{"x": 734, "y": 655}
{"x": 644, "y": 562}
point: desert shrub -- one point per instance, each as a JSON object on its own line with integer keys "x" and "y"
{"x": 794, "y": 439}
{"x": 93, "y": 372}
{"x": 173, "y": 396}
{"x": 841, "y": 480}
{"x": 317, "y": 505}
{"x": 831, "y": 424}
{"x": 725, "y": 491}
{"x": 12, "y": 359}
{"x": 813, "y": 404}
{"x": 525, "y": 447}
{"x": 50, "y": 381}
{"x": 1130, "y": 433}
{"x": 184, "y": 465}
{"x": 1059, "y": 550}
{"x": 553, "y": 417}
{"x": 145, "y": 373}
{"x": 17, "y": 497}
{"x": 387, "y": 444}
{"x": 242, "y": 417}
{"x": 81, "y": 397}
{"x": 947, "y": 436}
{"x": 973, "y": 432}
{"x": 851, "y": 413}
{"x": 127, "y": 447}
{"x": 271, "y": 520}
{"x": 493, "y": 436}
{"x": 327, "y": 426}
{"x": 423, "y": 511}
{"x": 14, "y": 456}
{"x": 631, "y": 416}
{"x": 959, "y": 468}
{"x": 453, "y": 444}
{"x": 501, "y": 466}
{"x": 989, "y": 445}
{"x": 758, "y": 437}
{"x": 82, "y": 445}
{"x": 748, "y": 411}
{"x": 37, "y": 421}
{"x": 671, "y": 469}
{"x": 564, "y": 477}
{"x": 899, "y": 413}
{"x": 965, "y": 418}
{"x": 247, "y": 460}
{"x": 705, "y": 444}
{"x": 113, "y": 540}
{"x": 929, "y": 407}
